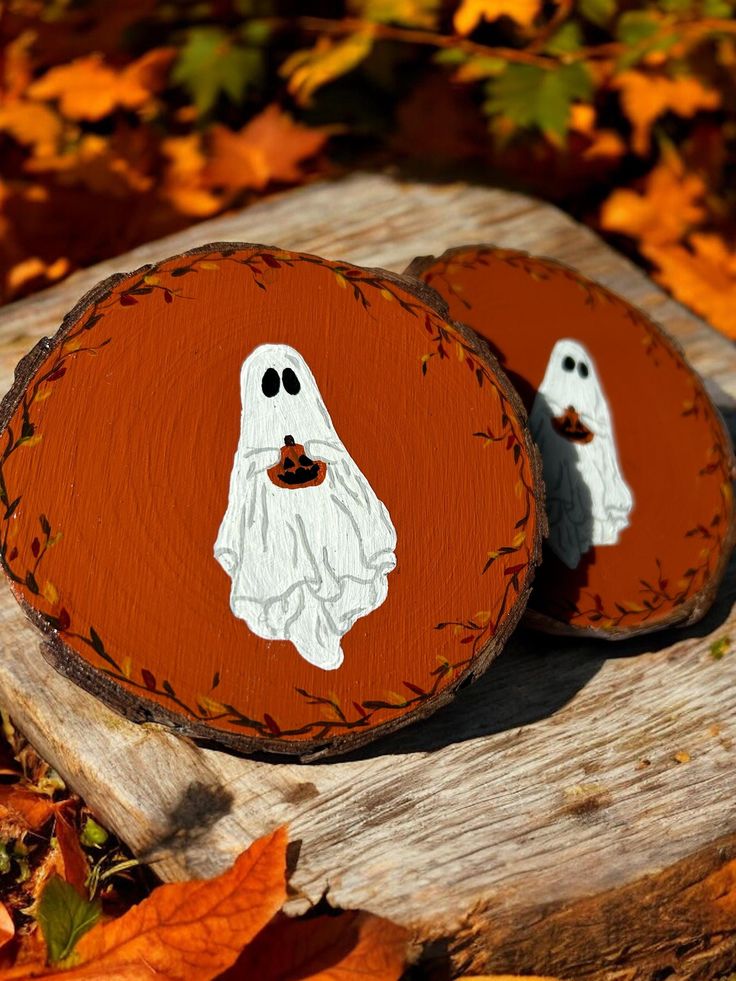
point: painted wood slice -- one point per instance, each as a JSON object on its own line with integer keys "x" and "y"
{"x": 248, "y": 492}
{"x": 637, "y": 462}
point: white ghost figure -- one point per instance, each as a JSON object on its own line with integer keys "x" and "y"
{"x": 306, "y": 542}
{"x": 588, "y": 500}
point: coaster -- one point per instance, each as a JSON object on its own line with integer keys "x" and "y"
{"x": 637, "y": 462}
{"x": 254, "y": 494}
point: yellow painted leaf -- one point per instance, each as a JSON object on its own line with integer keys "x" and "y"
{"x": 341, "y": 280}
{"x": 31, "y": 441}
{"x": 50, "y": 593}
{"x": 126, "y": 666}
{"x": 519, "y": 539}
{"x": 211, "y": 266}
{"x": 152, "y": 280}
{"x": 386, "y": 295}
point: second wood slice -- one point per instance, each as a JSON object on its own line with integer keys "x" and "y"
{"x": 637, "y": 463}
{"x": 247, "y": 493}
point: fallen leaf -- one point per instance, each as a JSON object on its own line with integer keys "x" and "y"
{"x": 7, "y": 927}
{"x": 345, "y": 947}
{"x": 645, "y": 97}
{"x": 269, "y": 148}
{"x": 75, "y": 867}
{"x": 701, "y": 274}
{"x": 671, "y": 202}
{"x": 87, "y": 88}
{"x": 310, "y": 69}
{"x": 64, "y": 916}
{"x": 33, "y": 268}
{"x": 210, "y": 64}
{"x": 183, "y": 183}
{"x": 103, "y": 166}
{"x": 192, "y": 931}
{"x": 24, "y": 807}
{"x": 470, "y": 13}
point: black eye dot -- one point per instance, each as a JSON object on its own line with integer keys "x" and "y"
{"x": 568, "y": 363}
{"x": 270, "y": 383}
{"x": 291, "y": 382}
{"x": 583, "y": 369}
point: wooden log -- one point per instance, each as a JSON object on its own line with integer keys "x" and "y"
{"x": 299, "y": 599}
{"x": 571, "y": 813}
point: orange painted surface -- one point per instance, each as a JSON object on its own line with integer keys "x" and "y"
{"x": 123, "y": 467}
{"x": 672, "y": 447}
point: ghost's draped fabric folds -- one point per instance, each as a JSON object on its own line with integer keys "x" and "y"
{"x": 588, "y": 500}
{"x": 305, "y": 562}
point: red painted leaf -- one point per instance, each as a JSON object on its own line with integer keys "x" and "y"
{"x": 415, "y": 688}
{"x": 270, "y": 261}
{"x": 63, "y": 620}
{"x": 360, "y": 710}
{"x": 59, "y": 373}
{"x": 168, "y": 296}
{"x": 148, "y": 679}
{"x": 35, "y": 547}
{"x": 272, "y": 724}
{"x": 126, "y": 300}
{"x": 513, "y": 569}
{"x": 13, "y": 555}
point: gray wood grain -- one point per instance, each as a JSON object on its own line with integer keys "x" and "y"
{"x": 554, "y": 778}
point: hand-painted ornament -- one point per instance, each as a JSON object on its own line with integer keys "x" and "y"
{"x": 637, "y": 463}
{"x": 247, "y": 493}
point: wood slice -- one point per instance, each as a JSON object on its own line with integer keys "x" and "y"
{"x": 245, "y": 495}
{"x": 638, "y": 466}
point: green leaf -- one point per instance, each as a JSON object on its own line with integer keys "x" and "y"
{"x": 450, "y": 56}
{"x": 568, "y": 38}
{"x": 538, "y": 97}
{"x": 210, "y": 65}
{"x": 636, "y": 26}
{"x": 598, "y": 12}
{"x": 64, "y": 917}
{"x": 718, "y": 8}
{"x": 4, "y": 859}
{"x": 93, "y": 834}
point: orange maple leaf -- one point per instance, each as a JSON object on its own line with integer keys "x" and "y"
{"x": 346, "y": 947}
{"x": 702, "y": 276}
{"x": 645, "y": 97}
{"x": 672, "y": 200}
{"x": 32, "y": 124}
{"x": 87, "y": 88}
{"x": 268, "y": 149}
{"x": 184, "y": 931}
{"x": 24, "y": 807}
{"x": 470, "y": 13}
{"x": 97, "y": 163}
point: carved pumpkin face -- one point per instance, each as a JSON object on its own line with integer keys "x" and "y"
{"x": 295, "y": 468}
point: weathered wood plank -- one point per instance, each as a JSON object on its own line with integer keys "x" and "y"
{"x": 541, "y": 822}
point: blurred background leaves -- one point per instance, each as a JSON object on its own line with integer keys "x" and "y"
{"x": 123, "y": 122}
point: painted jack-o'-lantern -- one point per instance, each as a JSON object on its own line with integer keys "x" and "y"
{"x": 295, "y": 468}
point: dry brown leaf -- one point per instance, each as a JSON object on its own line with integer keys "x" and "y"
{"x": 672, "y": 201}
{"x": 702, "y": 276}
{"x": 346, "y": 947}
{"x": 470, "y": 13}
{"x": 87, "y": 88}
{"x": 75, "y": 866}
{"x": 23, "y": 807}
{"x": 645, "y": 97}
{"x": 268, "y": 149}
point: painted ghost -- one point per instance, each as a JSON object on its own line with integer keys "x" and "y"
{"x": 306, "y": 542}
{"x": 588, "y": 499}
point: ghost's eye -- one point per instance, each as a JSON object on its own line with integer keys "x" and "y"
{"x": 291, "y": 382}
{"x": 270, "y": 383}
{"x": 583, "y": 369}
{"x": 568, "y": 363}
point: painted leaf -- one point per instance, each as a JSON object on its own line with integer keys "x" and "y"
{"x": 268, "y": 149}
{"x": 347, "y": 947}
{"x": 471, "y": 12}
{"x": 531, "y": 96}
{"x": 64, "y": 916}
{"x": 193, "y": 931}
{"x": 309, "y": 70}
{"x": 210, "y": 65}
{"x": 645, "y": 97}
